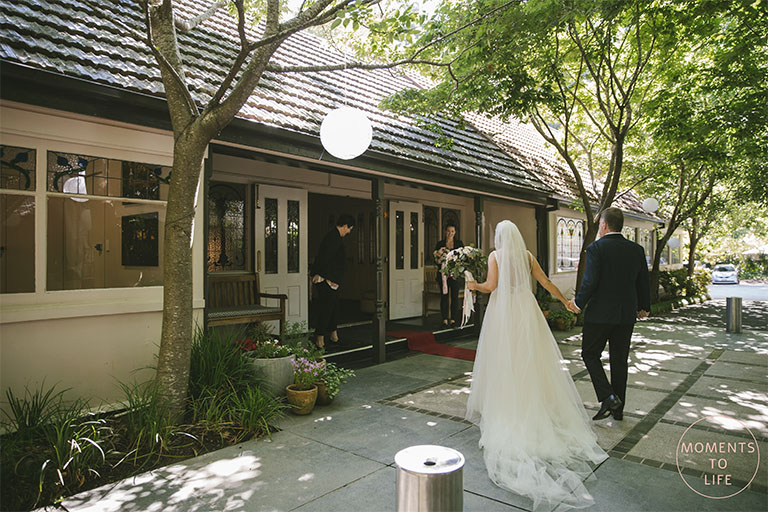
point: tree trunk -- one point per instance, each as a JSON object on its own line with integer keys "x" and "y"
{"x": 177, "y": 331}
{"x": 654, "y": 276}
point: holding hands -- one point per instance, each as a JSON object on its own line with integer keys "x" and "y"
{"x": 572, "y": 307}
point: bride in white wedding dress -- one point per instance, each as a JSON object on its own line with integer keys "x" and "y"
{"x": 535, "y": 435}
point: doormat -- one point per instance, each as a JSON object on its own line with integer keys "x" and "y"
{"x": 425, "y": 342}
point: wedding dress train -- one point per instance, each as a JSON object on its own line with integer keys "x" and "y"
{"x": 535, "y": 434}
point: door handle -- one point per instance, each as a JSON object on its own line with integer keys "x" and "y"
{"x": 258, "y": 261}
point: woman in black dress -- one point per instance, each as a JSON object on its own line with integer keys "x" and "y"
{"x": 327, "y": 271}
{"x": 449, "y": 287}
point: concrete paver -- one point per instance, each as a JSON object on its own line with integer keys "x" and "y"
{"x": 340, "y": 458}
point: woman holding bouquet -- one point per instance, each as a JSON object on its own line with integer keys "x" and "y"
{"x": 534, "y": 432}
{"x": 449, "y": 287}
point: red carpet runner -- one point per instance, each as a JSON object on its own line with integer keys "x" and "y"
{"x": 425, "y": 342}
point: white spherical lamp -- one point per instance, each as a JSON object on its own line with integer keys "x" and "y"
{"x": 673, "y": 243}
{"x": 650, "y": 205}
{"x": 75, "y": 185}
{"x": 346, "y": 133}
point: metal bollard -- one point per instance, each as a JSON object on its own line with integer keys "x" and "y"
{"x": 733, "y": 314}
{"x": 429, "y": 479}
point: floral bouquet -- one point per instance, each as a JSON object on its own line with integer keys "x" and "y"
{"x": 306, "y": 372}
{"x": 465, "y": 259}
{"x": 471, "y": 264}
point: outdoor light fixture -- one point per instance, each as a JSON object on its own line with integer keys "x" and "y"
{"x": 75, "y": 185}
{"x": 650, "y": 205}
{"x": 346, "y": 133}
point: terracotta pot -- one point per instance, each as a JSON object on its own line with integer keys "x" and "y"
{"x": 302, "y": 401}
{"x": 276, "y": 372}
{"x": 322, "y": 394}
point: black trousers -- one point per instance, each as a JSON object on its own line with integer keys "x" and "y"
{"x": 453, "y": 294}
{"x": 594, "y": 338}
{"x": 327, "y": 309}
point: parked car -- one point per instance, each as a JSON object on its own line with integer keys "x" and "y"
{"x": 725, "y": 273}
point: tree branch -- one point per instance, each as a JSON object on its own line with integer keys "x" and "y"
{"x": 189, "y": 25}
{"x": 165, "y": 64}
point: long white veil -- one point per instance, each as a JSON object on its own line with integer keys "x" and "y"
{"x": 535, "y": 434}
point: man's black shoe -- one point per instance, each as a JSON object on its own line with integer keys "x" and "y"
{"x": 609, "y": 405}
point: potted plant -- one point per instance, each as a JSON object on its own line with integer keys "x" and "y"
{"x": 271, "y": 359}
{"x": 561, "y": 319}
{"x": 302, "y": 394}
{"x": 329, "y": 386}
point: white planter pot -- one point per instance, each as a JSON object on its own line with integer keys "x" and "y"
{"x": 276, "y": 373}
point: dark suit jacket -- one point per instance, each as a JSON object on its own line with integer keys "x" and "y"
{"x": 331, "y": 259}
{"x": 615, "y": 285}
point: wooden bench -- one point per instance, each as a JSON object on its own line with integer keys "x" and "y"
{"x": 432, "y": 288}
{"x": 236, "y": 299}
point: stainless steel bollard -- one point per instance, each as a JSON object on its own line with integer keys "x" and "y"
{"x": 429, "y": 479}
{"x": 733, "y": 314}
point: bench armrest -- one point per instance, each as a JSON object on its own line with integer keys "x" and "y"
{"x": 274, "y": 296}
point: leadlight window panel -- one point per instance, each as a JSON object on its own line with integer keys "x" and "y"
{"x": 17, "y": 168}
{"x": 399, "y": 240}
{"x": 96, "y": 243}
{"x": 17, "y": 244}
{"x": 270, "y": 236}
{"x": 227, "y": 227}
{"x": 570, "y": 238}
{"x": 294, "y": 250}
{"x": 629, "y": 233}
{"x": 451, "y": 216}
{"x": 414, "y": 228}
{"x": 431, "y": 232}
{"x": 88, "y": 175}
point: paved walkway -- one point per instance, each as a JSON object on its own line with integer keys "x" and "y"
{"x": 341, "y": 457}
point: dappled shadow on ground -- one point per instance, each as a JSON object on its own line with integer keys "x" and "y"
{"x": 712, "y": 313}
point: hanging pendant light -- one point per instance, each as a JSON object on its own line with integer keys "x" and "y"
{"x": 651, "y": 204}
{"x": 346, "y": 133}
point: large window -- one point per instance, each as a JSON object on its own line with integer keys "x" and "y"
{"x": 570, "y": 237}
{"x": 106, "y": 220}
{"x": 629, "y": 233}
{"x": 644, "y": 238}
{"x": 17, "y": 219}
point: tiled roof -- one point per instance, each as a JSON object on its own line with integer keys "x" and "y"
{"x": 528, "y": 147}
{"x": 102, "y": 41}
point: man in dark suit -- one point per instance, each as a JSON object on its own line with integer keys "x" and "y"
{"x": 615, "y": 292}
{"x": 327, "y": 271}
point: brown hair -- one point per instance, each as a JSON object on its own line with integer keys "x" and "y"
{"x": 614, "y": 218}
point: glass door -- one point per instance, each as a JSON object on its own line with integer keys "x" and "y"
{"x": 406, "y": 256}
{"x": 281, "y": 248}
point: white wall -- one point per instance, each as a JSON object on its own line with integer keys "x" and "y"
{"x": 87, "y": 340}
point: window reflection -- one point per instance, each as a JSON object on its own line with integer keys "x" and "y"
{"x": 227, "y": 237}
{"x": 270, "y": 236}
{"x": 414, "y": 240}
{"x": 399, "y": 240}
{"x": 17, "y": 168}
{"x": 17, "y": 244}
{"x": 103, "y": 244}
{"x": 293, "y": 237}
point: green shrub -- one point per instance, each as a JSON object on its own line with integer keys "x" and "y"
{"x": 37, "y": 408}
{"x": 217, "y": 363}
